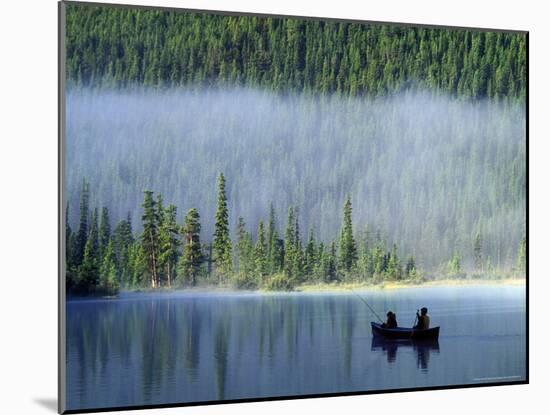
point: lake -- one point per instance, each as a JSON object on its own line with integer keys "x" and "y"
{"x": 148, "y": 349}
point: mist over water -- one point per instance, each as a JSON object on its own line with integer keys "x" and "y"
{"x": 424, "y": 169}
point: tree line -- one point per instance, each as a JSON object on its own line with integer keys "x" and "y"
{"x": 101, "y": 260}
{"x": 121, "y": 47}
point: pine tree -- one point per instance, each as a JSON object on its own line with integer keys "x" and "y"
{"x": 122, "y": 242}
{"x": 70, "y": 276}
{"x": 410, "y": 267}
{"x": 478, "y": 256}
{"x": 310, "y": 255}
{"x": 348, "y": 249}
{"x": 108, "y": 280}
{"x": 82, "y": 235}
{"x": 320, "y": 267}
{"x": 332, "y": 274}
{"x": 244, "y": 250}
{"x": 290, "y": 239}
{"x": 149, "y": 236}
{"x": 454, "y": 264}
{"x": 104, "y": 231}
{"x": 394, "y": 266}
{"x": 221, "y": 245}
{"x": 298, "y": 253}
{"x": 137, "y": 266}
{"x": 68, "y": 233}
{"x": 272, "y": 245}
{"x": 169, "y": 243}
{"x": 522, "y": 257}
{"x": 378, "y": 260}
{"x": 89, "y": 269}
{"x": 192, "y": 258}
{"x": 260, "y": 253}
{"x": 161, "y": 277}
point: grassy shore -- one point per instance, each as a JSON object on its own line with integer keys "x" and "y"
{"x": 345, "y": 286}
{"x": 393, "y": 285}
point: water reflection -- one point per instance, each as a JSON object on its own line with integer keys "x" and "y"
{"x": 172, "y": 348}
{"x": 421, "y": 348}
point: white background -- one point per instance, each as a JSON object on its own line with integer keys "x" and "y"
{"x": 28, "y": 203}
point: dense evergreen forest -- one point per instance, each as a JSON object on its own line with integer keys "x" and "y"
{"x": 101, "y": 260}
{"x": 424, "y": 129}
{"x": 427, "y": 171}
{"x": 121, "y": 47}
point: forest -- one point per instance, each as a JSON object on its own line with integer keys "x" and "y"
{"x": 123, "y": 47}
{"x": 168, "y": 254}
{"x": 423, "y": 129}
{"x": 427, "y": 171}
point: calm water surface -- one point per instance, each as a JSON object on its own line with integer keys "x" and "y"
{"x": 146, "y": 349}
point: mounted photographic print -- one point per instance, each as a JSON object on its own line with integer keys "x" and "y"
{"x": 259, "y": 207}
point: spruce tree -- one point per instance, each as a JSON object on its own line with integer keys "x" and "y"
{"x": 378, "y": 260}
{"x": 260, "y": 253}
{"x": 272, "y": 239}
{"x": 104, "y": 231}
{"x": 454, "y": 264}
{"x": 137, "y": 266}
{"x": 478, "y": 256}
{"x": 332, "y": 274}
{"x": 169, "y": 243}
{"x": 192, "y": 258}
{"x": 82, "y": 233}
{"x": 161, "y": 277}
{"x": 221, "y": 244}
{"x": 89, "y": 269}
{"x": 347, "y": 247}
{"x": 108, "y": 280}
{"x": 290, "y": 240}
{"x": 149, "y": 236}
{"x": 310, "y": 255}
{"x": 122, "y": 242}
{"x": 410, "y": 267}
{"x": 394, "y": 266}
{"x": 298, "y": 254}
{"x": 68, "y": 233}
{"x": 320, "y": 266}
{"x": 522, "y": 257}
{"x": 245, "y": 262}
{"x": 70, "y": 276}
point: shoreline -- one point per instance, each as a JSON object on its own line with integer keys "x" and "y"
{"x": 334, "y": 288}
{"x": 396, "y": 285}
{"x": 338, "y": 288}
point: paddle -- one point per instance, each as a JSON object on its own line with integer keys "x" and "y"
{"x": 367, "y": 304}
{"x": 415, "y": 318}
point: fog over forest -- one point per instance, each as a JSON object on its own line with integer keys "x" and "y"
{"x": 426, "y": 170}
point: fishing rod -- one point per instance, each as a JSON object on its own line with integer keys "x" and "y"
{"x": 367, "y": 304}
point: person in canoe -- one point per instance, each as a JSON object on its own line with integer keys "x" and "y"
{"x": 391, "y": 322}
{"x": 423, "y": 319}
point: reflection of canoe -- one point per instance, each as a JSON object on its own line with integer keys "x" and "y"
{"x": 421, "y": 347}
{"x": 404, "y": 333}
{"x": 382, "y": 343}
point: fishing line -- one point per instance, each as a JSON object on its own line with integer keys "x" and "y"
{"x": 367, "y": 304}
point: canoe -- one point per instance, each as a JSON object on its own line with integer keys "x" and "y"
{"x": 404, "y": 332}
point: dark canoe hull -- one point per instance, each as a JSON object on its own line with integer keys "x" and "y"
{"x": 404, "y": 333}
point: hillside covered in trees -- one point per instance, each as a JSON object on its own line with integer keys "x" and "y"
{"x": 428, "y": 172}
{"x": 121, "y": 47}
{"x": 101, "y": 260}
{"x": 423, "y": 129}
